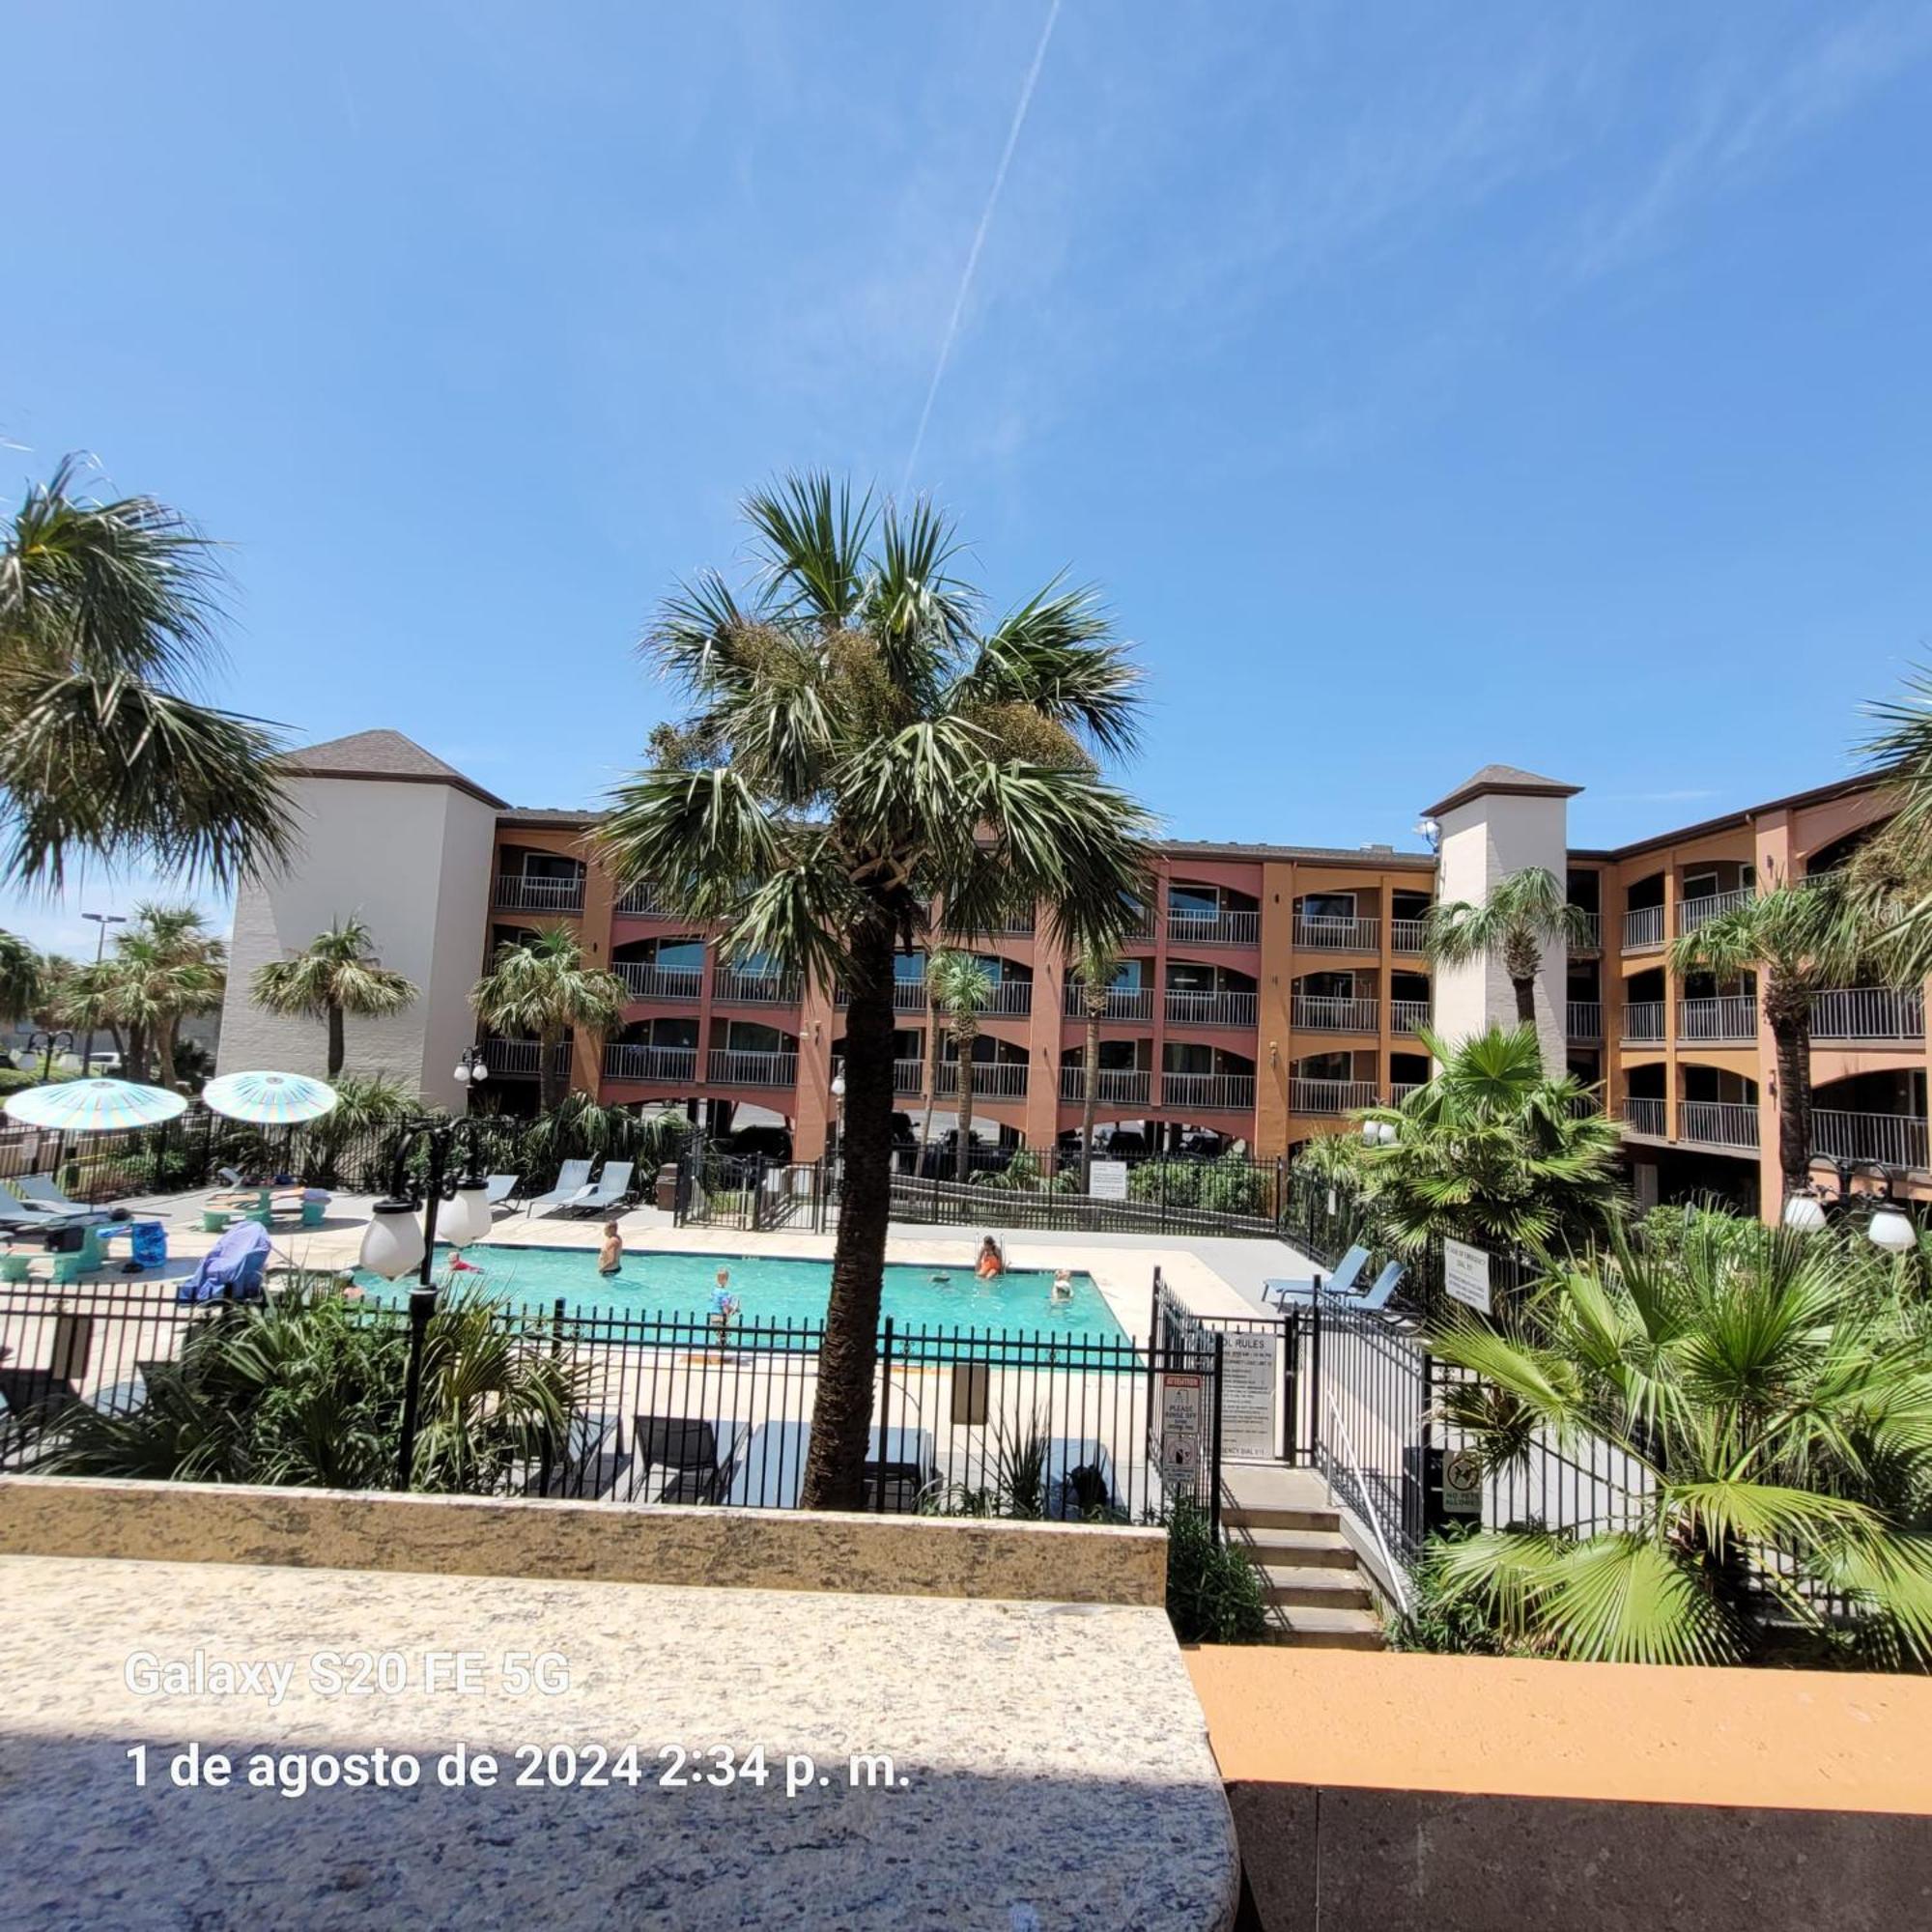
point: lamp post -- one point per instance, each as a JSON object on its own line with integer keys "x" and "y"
{"x": 839, "y": 1113}
{"x": 393, "y": 1244}
{"x": 102, "y": 920}
{"x": 1888, "y": 1225}
{"x": 471, "y": 1073}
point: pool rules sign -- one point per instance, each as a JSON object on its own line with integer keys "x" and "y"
{"x": 1465, "y": 1275}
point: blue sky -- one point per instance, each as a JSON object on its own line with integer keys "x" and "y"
{"x": 1423, "y": 384}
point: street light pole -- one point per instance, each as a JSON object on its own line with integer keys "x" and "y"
{"x": 102, "y": 920}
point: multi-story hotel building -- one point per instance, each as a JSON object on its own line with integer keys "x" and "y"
{"x": 1272, "y": 989}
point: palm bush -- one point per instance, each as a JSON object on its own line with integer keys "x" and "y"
{"x": 164, "y": 967}
{"x": 1777, "y": 1424}
{"x": 1525, "y": 915}
{"x": 583, "y": 1127}
{"x": 543, "y": 985}
{"x": 863, "y": 767}
{"x": 1025, "y": 1174}
{"x": 957, "y": 990}
{"x": 307, "y": 1390}
{"x": 1493, "y": 1151}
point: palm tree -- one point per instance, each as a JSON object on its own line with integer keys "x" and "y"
{"x": 336, "y": 974}
{"x": 1798, "y": 939}
{"x": 106, "y": 611}
{"x": 960, "y": 987}
{"x": 21, "y": 983}
{"x": 164, "y": 967}
{"x": 857, "y": 748}
{"x": 1097, "y": 966}
{"x": 1492, "y": 1150}
{"x": 1758, "y": 1401}
{"x": 541, "y": 985}
{"x": 1524, "y": 914}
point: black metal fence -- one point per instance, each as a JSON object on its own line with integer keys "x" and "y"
{"x": 689, "y": 1408}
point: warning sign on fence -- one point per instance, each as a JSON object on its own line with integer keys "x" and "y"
{"x": 1183, "y": 1407}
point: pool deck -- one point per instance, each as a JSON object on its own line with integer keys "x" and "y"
{"x": 1213, "y": 1277}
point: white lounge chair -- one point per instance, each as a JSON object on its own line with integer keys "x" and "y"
{"x": 498, "y": 1190}
{"x": 612, "y": 1185}
{"x": 39, "y": 1187}
{"x": 572, "y": 1179}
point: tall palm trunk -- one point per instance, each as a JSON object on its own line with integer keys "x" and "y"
{"x": 164, "y": 1050}
{"x": 338, "y": 1045}
{"x": 931, "y": 1073}
{"x": 1095, "y": 1010}
{"x": 841, "y": 1412}
{"x": 962, "y": 1169}
{"x": 1789, "y": 1018}
{"x": 1525, "y": 1001}
{"x": 135, "y": 1054}
{"x": 552, "y": 1080}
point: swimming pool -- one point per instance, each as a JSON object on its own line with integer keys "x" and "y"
{"x": 775, "y": 1288}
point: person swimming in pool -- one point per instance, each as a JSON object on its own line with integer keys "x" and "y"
{"x": 991, "y": 1262}
{"x": 611, "y": 1256}
{"x": 1063, "y": 1286}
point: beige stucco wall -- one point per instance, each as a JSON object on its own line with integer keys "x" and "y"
{"x": 414, "y": 860}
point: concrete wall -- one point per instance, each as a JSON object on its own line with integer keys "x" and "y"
{"x": 1381, "y": 1793}
{"x": 1482, "y": 844}
{"x": 478, "y": 1536}
{"x": 414, "y": 860}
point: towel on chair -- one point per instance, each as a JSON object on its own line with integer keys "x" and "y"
{"x": 231, "y": 1269}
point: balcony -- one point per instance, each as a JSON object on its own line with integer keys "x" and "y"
{"x": 1322, "y": 934}
{"x": 1326, "y": 1014}
{"x": 1330, "y": 1096}
{"x": 1213, "y": 929}
{"x": 520, "y": 1059}
{"x": 1116, "y": 1086}
{"x": 1409, "y": 1015}
{"x": 1209, "y": 1093}
{"x": 1210, "y": 1009}
{"x": 627, "y": 1060}
{"x": 1718, "y": 1123}
{"x": 908, "y": 996}
{"x": 1402, "y": 1090}
{"x": 1005, "y": 925}
{"x": 1009, "y": 1000}
{"x": 518, "y": 891}
{"x": 729, "y": 1067}
{"x": 1407, "y": 935}
{"x": 1593, "y": 942}
{"x": 1701, "y": 911}
{"x": 1643, "y": 929}
{"x": 992, "y": 1079}
{"x": 1893, "y": 1140}
{"x": 643, "y": 981}
{"x": 1583, "y": 1019}
{"x": 1643, "y": 1022}
{"x": 909, "y": 1077}
{"x": 1733, "y": 1016}
{"x": 643, "y": 902}
{"x": 1123, "y": 1002}
{"x": 1868, "y": 1013}
{"x": 733, "y": 988}
{"x": 1644, "y": 1116}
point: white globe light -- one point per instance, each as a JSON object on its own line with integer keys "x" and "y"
{"x": 465, "y": 1218}
{"x": 1891, "y": 1229}
{"x": 392, "y": 1243}
{"x": 1805, "y": 1213}
{"x": 839, "y": 1085}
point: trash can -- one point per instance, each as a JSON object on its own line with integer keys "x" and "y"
{"x": 667, "y": 1189}
{"x": 150, "y": 1244}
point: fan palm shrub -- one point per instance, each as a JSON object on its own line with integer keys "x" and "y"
{"x": 334, "y": 976}
{"x": 1777, "y": 1425}
{"x": 21, "y": 979}
{"x": 307, "y": 1390}
{"x": 1492, "y": 1150}
{"x": 163, "y": 968}
{"x": 109, "y": 614}
{"x": 959, "y": 989}
{"x": 543, "y": 985}
{"x": 1523, "y": 915}
{"x": 858, "y": 748}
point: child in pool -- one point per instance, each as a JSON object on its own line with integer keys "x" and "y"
{"x": 990, "y": 1262}
{"x": 1063, "y": 1286}
{"x": 611, "y": 1256}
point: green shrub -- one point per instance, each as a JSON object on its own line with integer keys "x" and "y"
{"x": 1177, "y": 1183}
{"x": 1441, "y": 1621}
{"x": 1213, "y": 1592}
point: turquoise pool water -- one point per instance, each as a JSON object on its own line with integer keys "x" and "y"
{"x": 775, "y": 1288}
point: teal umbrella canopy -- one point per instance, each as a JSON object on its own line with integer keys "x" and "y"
{"x": 270, "y": 1099}
{"x": 95, "y": 1106}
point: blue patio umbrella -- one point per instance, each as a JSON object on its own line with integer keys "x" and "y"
{"x": 95, "y": 1106}
{"x": 270, "y": 1099}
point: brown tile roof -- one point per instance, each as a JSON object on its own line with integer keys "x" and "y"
{"x": 384, "y": 754}
{"x": 1507, "y": 778}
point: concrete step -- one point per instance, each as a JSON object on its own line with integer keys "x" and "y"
{"x": 1298, "y": 1549}
{"x": 1309, "y": 1628}
{"x": 1314, "y": 1589}
{"x": 1280, "y": 1517}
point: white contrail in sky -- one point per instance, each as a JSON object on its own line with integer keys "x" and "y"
{"x": 980, "y": 241}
